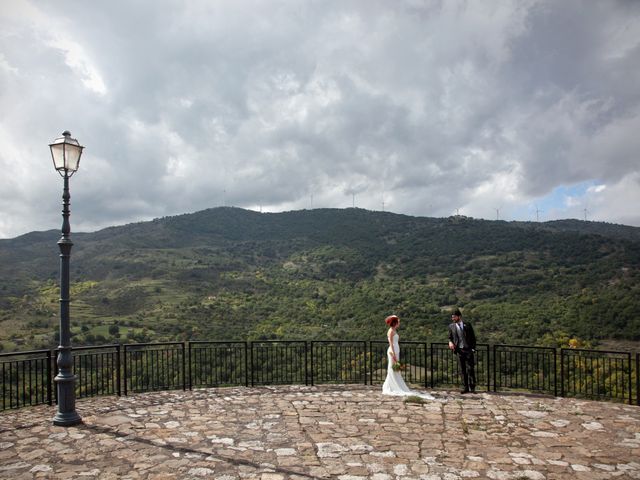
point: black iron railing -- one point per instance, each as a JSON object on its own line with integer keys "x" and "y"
{"x": 27, "y": 377}
{"x": 518, "y": 367}
{"x": 279, "y": 363}
{"x": 97, "y": 370}
{"x": 338, "y": 362}
{"x": 597, "y": 374}
{"x": 445, "y": 368}
{"x": 217, "y": 364}
{"x": 154, "y": 366}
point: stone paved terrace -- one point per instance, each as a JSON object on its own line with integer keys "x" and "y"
{"x": 343, "y": 432}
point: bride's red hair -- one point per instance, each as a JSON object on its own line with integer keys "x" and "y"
{"x": 391, "y": 320}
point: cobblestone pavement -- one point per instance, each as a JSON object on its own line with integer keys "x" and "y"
{"x": 343, "y": 432}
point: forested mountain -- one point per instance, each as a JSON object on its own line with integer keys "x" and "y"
{"x": 233, "y": 274}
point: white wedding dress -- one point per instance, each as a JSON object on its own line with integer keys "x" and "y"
{"x": 394, "y": 383}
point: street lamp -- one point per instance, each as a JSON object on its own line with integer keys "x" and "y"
{"x": 66, "y": 152}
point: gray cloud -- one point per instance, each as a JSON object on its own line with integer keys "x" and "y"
{"x": 426, "y": 106}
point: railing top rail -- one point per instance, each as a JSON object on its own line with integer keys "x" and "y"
{"x": 158, "y": 344}
{"x": 278, "y": 341}
{"x": 93, "y": 347}
{"x": 503, "y": 345}
{"x": 339, "y": 341}
{"x": 28, "y": 352}
{"x": 585, "y": 350}
{"x": 216, "y": 342}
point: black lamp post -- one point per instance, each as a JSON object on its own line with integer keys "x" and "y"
{"x": 66, "y": 152}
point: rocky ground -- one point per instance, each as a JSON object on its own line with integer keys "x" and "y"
{"x": 343, "y": 432}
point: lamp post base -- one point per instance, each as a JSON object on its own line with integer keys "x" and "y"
{"x": 66, "y": 415}
{"x": 67, "y": 419}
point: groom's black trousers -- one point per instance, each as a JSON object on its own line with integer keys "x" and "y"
{"x": 468, "y": 368}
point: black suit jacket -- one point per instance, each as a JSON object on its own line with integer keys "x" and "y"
{"x": 455, "y": 338}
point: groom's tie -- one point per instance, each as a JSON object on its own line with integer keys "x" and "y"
{"x": 463, "y": 340}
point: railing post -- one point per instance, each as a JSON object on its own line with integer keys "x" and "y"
{"x": 251, "y": 361}
{"x": 125, "y": 372}
{"x": 246, "y": 365}
{"x": 364, "y": 350}
{"x": 312, "y": 365}
{"x": 489, "y": 366}
{"x": 190, "y": 368}
{"x": 495, "y": 368}
{"x": 630, "y": 380}
{"x": 49, "y": 378}
{"x": 55, "y": 373}
{"x": 555, "y": 373}
{"x": 561, "y": 372}
{"x": 431, "y": 365}
{"x": 118, "y": 373}
{"x": 425, "y": 365}
{"x": 184, "y": 367}
{"x": 306, "y": 367}
{"x": 638, "y": 378}
{"x": 369, "y": 355}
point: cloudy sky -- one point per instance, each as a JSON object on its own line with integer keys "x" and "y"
{"x": 518, "y": 110}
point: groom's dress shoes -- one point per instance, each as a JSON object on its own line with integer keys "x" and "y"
{"x": 464, "y": 391}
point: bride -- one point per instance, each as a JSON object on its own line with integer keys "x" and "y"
{"x": 394, "y": 383}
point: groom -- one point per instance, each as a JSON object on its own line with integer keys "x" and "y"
{"x": 462, "y": 340}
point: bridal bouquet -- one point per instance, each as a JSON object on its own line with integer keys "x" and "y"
{"x": 397, "y": 366}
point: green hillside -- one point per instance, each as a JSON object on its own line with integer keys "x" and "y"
{"x": 228, "y": 273}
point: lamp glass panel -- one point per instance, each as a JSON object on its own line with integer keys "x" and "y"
{"x": 57, "y": 152}
{"x": 73, "y": 153}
